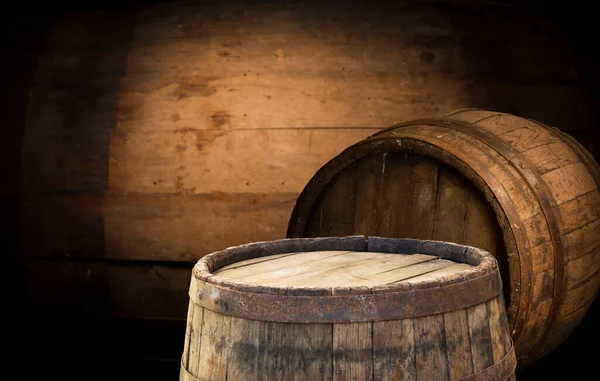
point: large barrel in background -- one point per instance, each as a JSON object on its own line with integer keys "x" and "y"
{"x": 526, "y": 192}
{"x": 347, "y": 308}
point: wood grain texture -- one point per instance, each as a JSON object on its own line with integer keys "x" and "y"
{"x": 302, "y": 351}
{"x": 149, "y": 226}
{"x": 394, "y": 195}
{"x": 423, "y": 193}
{"x": 247, "y": 349}
{"x": 352, "y": 351}
{"x": 394, "y": 344}
{"x": 338, "y": 202}
{"x": 215, "y": 346}
{"x": 368, "y": 193}
{"x": 430, "y": 355}
{"x": 195, "y": 338}
{"x": 332, "y": 269}
{"x": 480, "y": 337}
{"x": 459, "y": 346}
{"x": 497, "y": 181}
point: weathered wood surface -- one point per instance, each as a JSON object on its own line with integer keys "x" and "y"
{"x": 234, "y": 101}
{"x": 521, "y": 192}
{"x": 444, "y": 346}
{"x": 338, "y": 269}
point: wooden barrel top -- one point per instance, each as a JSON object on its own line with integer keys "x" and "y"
{"x": 339, "y": 268}
{"x": 343, "y": 279}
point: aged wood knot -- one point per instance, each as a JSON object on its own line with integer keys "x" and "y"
{"x": 216, "y": 300}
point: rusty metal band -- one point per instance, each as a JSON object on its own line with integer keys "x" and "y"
{"x": 184, "y": 375}
{"x": 538, "y": 188}
{"x": 501, "y": 370}
{"x": 346, "y": 308}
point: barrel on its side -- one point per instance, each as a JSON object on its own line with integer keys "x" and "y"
{"x": 287, "y": 310}
{"x": 523, "y": 191}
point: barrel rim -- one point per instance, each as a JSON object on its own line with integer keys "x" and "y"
{"x": 360, "y": 304}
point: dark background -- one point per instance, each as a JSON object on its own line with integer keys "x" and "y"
{"x": 70, "y": 345}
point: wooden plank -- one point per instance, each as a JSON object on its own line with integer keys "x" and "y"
{"x": 197, "y": 322}
{"x": 452, "y": 269}
{"x": 369, "y": 273}
{"x": 536, "y": 321}
{"x": 395, "y": 195}
{"x": 191, "y": 160}
{"x": 480, "y": 337}
{"x": 423, "y": 193}
{"x": 582, "y": 241}
{"x": 499, "y": 330}
{"x": 569, "y": 182}
{"x": 150, "y": 227}
{"x": 189, "y": 328}
{"x": 352, "y": 351}
{"x": 542, "y": 257}
{"x": 394, "y": 350}
{"x": 252, "y": 261}
{"x": 188, "y": 227}
{"x": 581, "y": 269}
{"x": 313, "y": 226}
{"x": 385, "y": 277}
{"x": 481, "y": 227}
{"x": 430, "y": 348}
{"x": 368, "y": 192}
{"x": 247, "y": 349}
{"x": 287, "y": 265}
{"x": 475, "y": 115}
{"x": 483, "y": 231}
{"x": 578, "y": 212}
{"x": 215, "y": 346}
{"x": 337, "y": 208}
{"x": 450, "y": 207}
{"x": 551, "y": 156}
{"x": 522, "y": 135}
{"x": 580, "y": 296}
{"x": 287, "y": 275}
{"x": 458, "y": 354}
{"x": 302, "y": 351}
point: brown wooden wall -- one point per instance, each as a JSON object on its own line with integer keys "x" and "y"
{"x": 154, "y": 134}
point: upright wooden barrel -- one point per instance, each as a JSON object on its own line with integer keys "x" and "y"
{"x": 347, "y": 309}
{"x": 526, "y": 192}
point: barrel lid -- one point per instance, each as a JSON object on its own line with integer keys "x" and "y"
{"x": 339, "y": 269}
{"x": 344, "y": 279}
